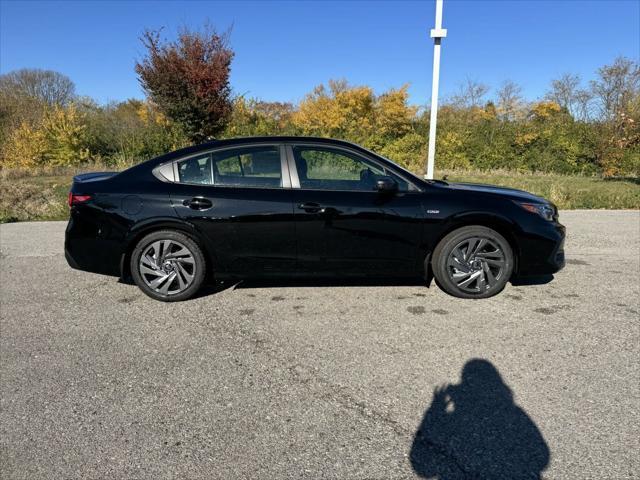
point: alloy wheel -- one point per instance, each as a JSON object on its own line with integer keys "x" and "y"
{"x": 167, "y": 267}
{"x": 476, "y": 264}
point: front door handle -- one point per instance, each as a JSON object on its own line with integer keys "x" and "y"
{"x": 312, "y": 207}
{"x": 198, "y": 203}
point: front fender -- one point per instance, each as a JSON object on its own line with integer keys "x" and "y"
{"x": 505, "y": 226}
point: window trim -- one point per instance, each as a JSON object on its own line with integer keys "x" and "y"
{"x": 284, "y": 166}
{"x": 295, "y": 179}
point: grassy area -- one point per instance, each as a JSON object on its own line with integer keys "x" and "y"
{"x": 43, "y": 196}
{"x": 34, "y": 198}
{"x": 566, "y": 191}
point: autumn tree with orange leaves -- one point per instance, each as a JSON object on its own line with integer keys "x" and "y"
{"x": 188, "y": 79}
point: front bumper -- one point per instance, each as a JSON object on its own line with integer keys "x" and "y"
{"x": 543, "y": 253}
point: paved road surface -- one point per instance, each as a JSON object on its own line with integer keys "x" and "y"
{"x": 99, "y": 381}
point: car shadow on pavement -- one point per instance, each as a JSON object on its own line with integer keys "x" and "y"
{"x": 474, "y": 430}
{"x": 331, "y": 282}
{"x": 532, "y": 280}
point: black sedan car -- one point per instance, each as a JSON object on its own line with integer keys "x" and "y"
{"x": 302, "y": 207}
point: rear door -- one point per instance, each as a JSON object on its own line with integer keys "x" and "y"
{"x": 241, "y": 199}
{"x": 343, "y": 225}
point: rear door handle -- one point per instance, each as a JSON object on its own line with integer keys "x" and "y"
{"x": 198, "y": 203}
{"x": 310, "y": 207}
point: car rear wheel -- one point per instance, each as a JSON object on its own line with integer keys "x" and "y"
{"x": 168, "y": 265}
{"x": 472, "y": 262}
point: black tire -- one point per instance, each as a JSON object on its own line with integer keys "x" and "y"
{"x": 496, "y": 254}
{"x": 191, "y": 274}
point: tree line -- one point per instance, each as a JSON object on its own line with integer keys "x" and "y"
{"x": 578, "y": 127}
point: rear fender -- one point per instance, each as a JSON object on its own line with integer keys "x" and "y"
{"x": 145, "y": 227}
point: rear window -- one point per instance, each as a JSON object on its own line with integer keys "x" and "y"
{"x": 195, "y": 170}
{"x": 248, "y": 167}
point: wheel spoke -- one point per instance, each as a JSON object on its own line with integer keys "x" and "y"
{"x": 494, "y": 254}
{"x": 155, "y": 284}
{"x": 188, "y": 276}
{"x": 470, "y": 248}
{"x": 148, "y": 261}
{"x": 188, "y": 260}
{"x": 165, "y": 288}
{"x": 470, "y": 280}
{"x": 156, "y": 253}
{"x": 182, "y": 283}
{"x": 461, "y": 275}
{"x": 183, "y": 252}
{"x": 166, "y": 250}
{"x": 458, "y": 264}
{"x": 491, "y": 280}
{"x": 149, "y": 271}
{"x": 496, "y": 263}
{"x": 479, "y": 246}
{"x": 482, "y": 282}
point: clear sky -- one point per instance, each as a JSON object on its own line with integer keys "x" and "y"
{"x": 283, "y": 49}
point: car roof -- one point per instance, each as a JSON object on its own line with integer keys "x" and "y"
{"x": 275, "y": 139}
{"x": 194, "y": 149}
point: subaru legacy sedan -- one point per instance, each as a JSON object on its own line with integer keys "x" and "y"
{"x": 295, "y": 207}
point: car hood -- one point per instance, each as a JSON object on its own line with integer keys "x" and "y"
{"x": 512, "y": 193}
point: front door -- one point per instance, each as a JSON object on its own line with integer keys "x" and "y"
{"x": 241, "y": 200}
{"x": 343, "y": 225}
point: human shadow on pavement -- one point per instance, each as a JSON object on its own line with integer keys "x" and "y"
{"x": 474, "y": 430}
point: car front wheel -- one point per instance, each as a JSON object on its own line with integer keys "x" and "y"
{"x": 168, "y": 266}
{"x": 472, "y": 262}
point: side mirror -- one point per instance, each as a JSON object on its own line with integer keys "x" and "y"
{"x": 386, "y": 185}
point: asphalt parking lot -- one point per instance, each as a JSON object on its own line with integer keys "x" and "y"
{"x": 99, "y": 381}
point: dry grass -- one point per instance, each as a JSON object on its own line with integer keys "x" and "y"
{"x": 566, "y": 191}
{"x": 22, "y": 199}
{"x": 21, "y": 173}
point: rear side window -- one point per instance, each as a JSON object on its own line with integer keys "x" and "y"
{"x": 195, "y": 170}
{"x": 248, "y": 167}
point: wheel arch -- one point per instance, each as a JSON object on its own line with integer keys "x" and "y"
{"x": 505, "y": 227}
{"x": 153, "y": 225}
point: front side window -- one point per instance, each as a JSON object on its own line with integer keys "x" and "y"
{"x": 322, "y": 168}
{"x": 248, "y": 167}
{"x": 195, "y": 170}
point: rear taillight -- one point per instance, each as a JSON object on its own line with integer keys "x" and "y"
{"x": 75, "y": 199}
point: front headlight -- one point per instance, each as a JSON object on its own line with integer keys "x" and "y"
{"x": 544, "y": 210}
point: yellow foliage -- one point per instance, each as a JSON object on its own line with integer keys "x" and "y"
{"x": 58, "y": 140}
{"x": 149, "y": 114}
{"x": 341, "y": 112}
{"x": 544, "y": 110}
{"x": 450, "y": 148}
{"x": 525, "y": 138}
{"x": 393, "y": 115}
{"x": 25, "y": 147}
{"x": 487, "y": 113}
{"x": 64, "y": 134}
{"x": 356, "y": 114}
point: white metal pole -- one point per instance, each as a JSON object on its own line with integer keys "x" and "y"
{"x": 437, "y": 33}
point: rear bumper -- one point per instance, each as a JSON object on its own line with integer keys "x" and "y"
{"x": 87, "y": 249}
